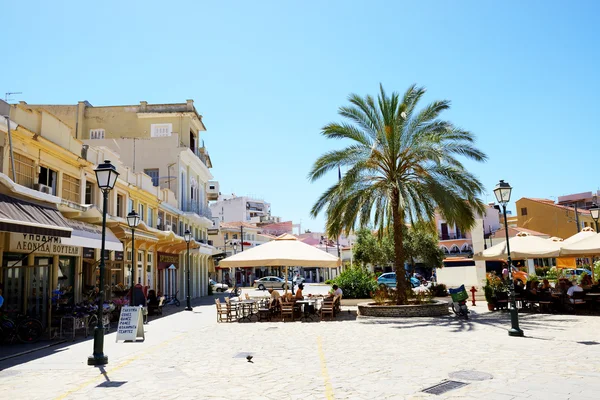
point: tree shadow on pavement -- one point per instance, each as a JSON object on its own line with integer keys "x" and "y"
{"x": 475, "y": 321}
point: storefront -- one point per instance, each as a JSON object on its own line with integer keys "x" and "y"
{"x": 168, "y": 265}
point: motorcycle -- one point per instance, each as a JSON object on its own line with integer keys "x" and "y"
{"x": 459, "y": 301}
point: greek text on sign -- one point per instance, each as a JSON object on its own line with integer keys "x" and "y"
{"x": 43, "y": 244}
{"x": 131, "y": 324}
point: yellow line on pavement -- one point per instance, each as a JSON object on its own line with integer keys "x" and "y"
{"x": 118, "y": 367}
{"x": 328, "y": 388}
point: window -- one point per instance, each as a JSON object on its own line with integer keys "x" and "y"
{"x": 70, "y": 189}
{"x": 119, "y": 210}
{"x": 23, "y": 170}
{"x": 141, "y": 212}
{"x": 89, "y": 193}
{"x": 161, "y": 130}
{"x": 150, "y": 219}
{"x": 181, "y": 228}
{"x": 130, "y": 207}
{"x": 152, "y": 173}
{"x": 235, "y": 235}
{"x": 227, "y": 236}
{"x": 523, "y": 211}
{"x": 96, "y": 133}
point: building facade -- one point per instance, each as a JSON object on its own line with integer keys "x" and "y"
{"x": 232, "y": 208}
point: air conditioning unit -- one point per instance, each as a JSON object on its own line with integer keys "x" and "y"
{"x": 43, "y": 188}
{"x": 168, "y": 228}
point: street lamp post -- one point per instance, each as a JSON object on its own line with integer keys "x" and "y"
{"x": 188, "y": 237}
{"x": 133, "y": 220}
{"x": 502, "y": 192}
{"x": 595, "y": 211}
{"x": 106, "y": 176}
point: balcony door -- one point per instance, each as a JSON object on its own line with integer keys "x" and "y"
{"x": 444, "y": 230}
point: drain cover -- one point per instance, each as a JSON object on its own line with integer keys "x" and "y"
{"x": 444, "y": 387}
{"x": 470, "y": 375}
{"x": 589, "y": 343}
{"x": 242, "y": 354}
{"x": 108, "y": 384}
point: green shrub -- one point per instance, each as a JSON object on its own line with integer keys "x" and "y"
{"x": 329, "y": 282}
{"x": 439, "y": 290}
{"x": 542, "y": 271}
{"x": 356, "y": 283}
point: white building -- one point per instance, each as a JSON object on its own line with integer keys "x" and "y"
{"x": 232, "y": 208}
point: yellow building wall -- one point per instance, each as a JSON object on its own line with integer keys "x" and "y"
{"x": 548, "y": 218}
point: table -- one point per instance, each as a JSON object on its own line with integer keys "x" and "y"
{"x": 594, "y": 298}
{"x": 306, "y": 314}
{"x": 250, "y": 305}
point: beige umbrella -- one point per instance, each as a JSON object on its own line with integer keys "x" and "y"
{"x": 579, "y": 236}
{"x": 285, "y": 251}
{"x": 588, "y": 246}
{"x": 523, "y": 245}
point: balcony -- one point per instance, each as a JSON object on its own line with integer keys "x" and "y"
{"x": 452, "y": 236}
{"x": 202, "y": 154}
{"x": 196, "y": 208}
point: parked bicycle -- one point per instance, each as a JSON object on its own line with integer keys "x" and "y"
{"x": 25, "y": 329}
{"x": 173, "y": 300}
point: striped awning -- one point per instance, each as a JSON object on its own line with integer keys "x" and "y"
{"x": 20, "y": 216}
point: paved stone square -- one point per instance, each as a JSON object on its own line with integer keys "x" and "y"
{"x": 188, "y": 355}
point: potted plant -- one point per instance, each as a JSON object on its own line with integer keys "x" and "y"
{"x": 490, "y": 295}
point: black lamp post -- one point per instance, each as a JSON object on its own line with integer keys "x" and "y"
{"x": 133, "y": 220}
{"x": 106, "y": 176}
{"x": 502, "y": 192}
{"x": 188, "y": 237}
{"x": 595, "y": 211}
{"x": 233, "y": 269}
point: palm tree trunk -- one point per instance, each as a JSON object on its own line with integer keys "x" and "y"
{"x": 398, "y": 220}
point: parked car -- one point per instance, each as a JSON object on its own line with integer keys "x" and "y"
{"x": 218, "y": 287}
{"x": 299, "y": 279}
{"x": 389, "y": 279}
{"x": 271, "y": 282}
{"x": 571, "y": 272}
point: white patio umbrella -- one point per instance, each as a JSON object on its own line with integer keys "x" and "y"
{"x": 285, "y": 251}
{"x": 522, "y": 246}
{"x": 588, "y": 246}
{"x": 579, "y": 236}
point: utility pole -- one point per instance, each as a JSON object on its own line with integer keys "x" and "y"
{"x": 577, "y": 219}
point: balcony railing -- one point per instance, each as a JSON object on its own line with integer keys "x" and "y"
{"x": 452, "y": 236}
{"x": 196, "y": 208}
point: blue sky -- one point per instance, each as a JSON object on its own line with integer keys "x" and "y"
{"x": 267, "y": 75}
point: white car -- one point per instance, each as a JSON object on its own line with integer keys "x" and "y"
{"x": 271, "y": 282}
{"x": 218, "y": 287}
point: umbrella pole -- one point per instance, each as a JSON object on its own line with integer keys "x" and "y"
{"x": 285, "y": 277}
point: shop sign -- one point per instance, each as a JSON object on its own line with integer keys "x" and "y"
{"x": 107, "y": 254}
{"x": 118, "y": 256}
{"x": 41, "y": 244}
{"x": 88, "y": 252}
{"x": 131, "y": 324}
{"x": 165, "y": 260}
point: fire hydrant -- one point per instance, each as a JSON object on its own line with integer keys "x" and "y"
{"x": 473, "y": 290}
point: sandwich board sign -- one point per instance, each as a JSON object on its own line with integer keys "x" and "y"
{"x": 131, "y": 324}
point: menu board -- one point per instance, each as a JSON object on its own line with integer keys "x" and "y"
{"x": 131, "y": 324}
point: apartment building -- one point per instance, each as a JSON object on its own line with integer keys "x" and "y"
{"x": 232, "y": 208}
{"x": 162, "y": 141}
{"x": 550, "y": 218}
{"x": 51, "y": 232}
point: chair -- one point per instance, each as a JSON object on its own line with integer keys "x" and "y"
{"x": 222, "y": 313}
{"x": 287, "y": 309}
{"x": 337, "y": 303}
{"x": 578, "y": 300}
{"x": 327, "y": 309}
{"x": 264, "y": 313}
{"x": 233, "y": 308}
{"x": 157, "y": 309}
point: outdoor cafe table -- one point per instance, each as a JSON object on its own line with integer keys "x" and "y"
{"x": 305, "y": 303}
{"x": 247, "y": 304}
{"x": 593, "y": 298}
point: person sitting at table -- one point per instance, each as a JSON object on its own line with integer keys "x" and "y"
{"x": 546, "y": 285}
{"x": 586, "y": 282}
{"x": 152, "y": 302}
{"x": 274, "y": 297}
{"x": 573, "y": 289}
{"x": 299, "y": 295}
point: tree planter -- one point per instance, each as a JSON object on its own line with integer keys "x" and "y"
{"x": 491, "y": 306}
{"x": 434, "y": 309}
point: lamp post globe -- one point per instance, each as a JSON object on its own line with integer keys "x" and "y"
{"x": 106, "y": 177}
{"x": 595, "y": 212}
{"x": 188, "y": 238}
{"x": 133, "y": 220}
{"x": 502, "y": 192}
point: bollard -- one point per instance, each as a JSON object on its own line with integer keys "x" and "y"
{"x": 473, "y": 290}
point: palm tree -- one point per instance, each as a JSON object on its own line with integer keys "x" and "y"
{"x": 402, "y": 167}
